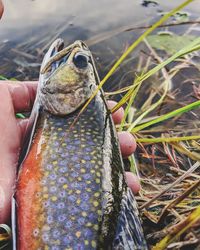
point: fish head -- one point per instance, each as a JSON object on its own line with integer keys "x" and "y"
{"x": 67, "y": 78}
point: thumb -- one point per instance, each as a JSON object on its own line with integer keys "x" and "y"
{"x": 1, "y": 9}
{"x": 8, "y": 170}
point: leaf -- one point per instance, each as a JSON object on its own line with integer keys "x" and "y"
{"x": 169, "y": 42}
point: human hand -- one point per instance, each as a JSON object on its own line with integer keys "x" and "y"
{"x": 15, "y": 97}
{"x": 19, "y": 97}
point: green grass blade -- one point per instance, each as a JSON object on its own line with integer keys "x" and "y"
{"x": 132, "y": 47}
{"x": 2, "y": 78}
{"x": 140, "y": 39}
{"x": 153, "y": 106}
{"x": 131, "y": 100}
{"x": 169, "y": 115}
{"x": 168, "y": 139}
{"x": 194, "y": 45}
{"x": 20, "y": 116}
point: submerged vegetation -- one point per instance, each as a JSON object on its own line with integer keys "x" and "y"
{"x": 162, "y": 112}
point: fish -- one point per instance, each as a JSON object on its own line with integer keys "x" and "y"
{"x": 71, "y": 191}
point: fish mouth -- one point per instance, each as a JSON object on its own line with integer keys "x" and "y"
{"x": 46, "y": 90}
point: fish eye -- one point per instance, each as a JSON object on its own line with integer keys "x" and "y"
{"x": 80, "y": 61}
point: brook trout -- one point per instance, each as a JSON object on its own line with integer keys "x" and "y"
{"x": 71, "y": 192}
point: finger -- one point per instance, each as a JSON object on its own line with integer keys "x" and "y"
{"x": 1, "y": 9}
{"x": 22, "y": 125}
{"x": 127, "y": 143}
{"x": 133, "y": 182}
{"x": 5, "y": 198}
{"x": 117, "y": 115}
{"x": 8, "y": 171}
{"x": 22, "y": 94}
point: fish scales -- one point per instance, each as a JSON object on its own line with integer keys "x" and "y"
{"x": 70, "y": 171}
{"x": 71, "y": 192}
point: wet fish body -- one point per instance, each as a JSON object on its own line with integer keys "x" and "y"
{"x": 71, "y": 192}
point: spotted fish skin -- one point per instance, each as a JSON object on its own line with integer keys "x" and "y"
{"x": 74, "y": 190}
{"x": 71, "y": 191}
{"x": 64, "y": 187}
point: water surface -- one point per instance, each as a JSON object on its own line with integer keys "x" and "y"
{"x": 28, "y": 28}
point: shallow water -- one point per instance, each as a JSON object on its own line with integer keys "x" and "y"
{"x": 28, "y": 28}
